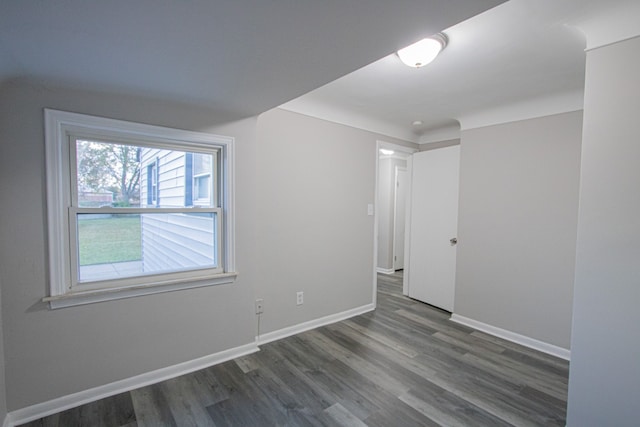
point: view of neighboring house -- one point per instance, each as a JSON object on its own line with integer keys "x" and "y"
{"x": 177, "y": 179}
{"x": 164, "y": 200}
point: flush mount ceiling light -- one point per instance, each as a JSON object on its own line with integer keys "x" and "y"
{"x": 423, "y": 52}
{"x": 386, "y": 152}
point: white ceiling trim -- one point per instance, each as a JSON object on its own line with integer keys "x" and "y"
{"x": 442, "y": 134}
{"x": 336, "y": 114}
{"x": 523, "y": 110}
{"x": 614, "y": 25}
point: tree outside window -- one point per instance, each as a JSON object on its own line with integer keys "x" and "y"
{"x": 108, "y": 168}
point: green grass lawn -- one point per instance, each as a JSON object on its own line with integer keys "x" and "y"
{"x": 107, "y": 240}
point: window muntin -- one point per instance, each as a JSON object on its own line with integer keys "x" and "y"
{"x": 79, "y": 195}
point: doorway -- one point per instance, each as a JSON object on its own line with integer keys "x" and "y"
{"x": 418, "y": 226}
{"x": 399, "y": 215}
{"x": 393, "y": 166}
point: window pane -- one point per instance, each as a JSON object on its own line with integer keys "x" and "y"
{"x": 125, "y": 175}
{"x": 202, "y": 163}
{"x": 201, "y": 190}
{"x": 113, "y": 246}
{"x": 108, "y": 174}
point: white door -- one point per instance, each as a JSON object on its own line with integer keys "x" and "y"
{"x": 434, "y": 220}
{"x": 399, "y": 214}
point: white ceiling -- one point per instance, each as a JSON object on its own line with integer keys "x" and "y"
{"x": 240, "y": 56}
{"x": 521, "y": 59}
{"x": 243, "y": 57}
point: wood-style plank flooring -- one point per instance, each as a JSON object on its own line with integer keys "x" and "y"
{"x": 405, "y": 364}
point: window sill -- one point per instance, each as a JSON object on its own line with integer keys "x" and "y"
{"x": 94, "y": 296}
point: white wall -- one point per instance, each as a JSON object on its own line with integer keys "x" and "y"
{"x": 314, "y": 181}
{"x": 385, "y": 206}
{"x": 54, "y": 353}
{"x": 302, "y": 190}
{"x": 517, "y": 226}
{"x": 604, "y": 381}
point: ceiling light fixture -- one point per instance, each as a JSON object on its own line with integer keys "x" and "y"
{"x": 386, "y": 152}
{"x": 423, "y": 52}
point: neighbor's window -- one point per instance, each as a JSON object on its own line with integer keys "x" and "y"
{"x": 152, "y": 184}
{"x": 202, "y": 179}
{"x": 135, "y": 209}
{"x": 199, "y": 179}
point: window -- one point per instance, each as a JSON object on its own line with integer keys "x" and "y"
{"x": 199, "y": 190}
{"x": 202, "y": 188}
{"x": 135, "y": 209}
{"x": 152, "y": 184}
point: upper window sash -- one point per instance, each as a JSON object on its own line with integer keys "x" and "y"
{"x": 153, "y": 169}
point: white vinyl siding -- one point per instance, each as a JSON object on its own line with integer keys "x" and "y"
{"x": 171, "y": 176}
{"x": 177, "y": 241}
{"x": 171, "y": 179}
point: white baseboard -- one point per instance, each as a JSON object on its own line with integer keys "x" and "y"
{"x": 312, "y": 324}
{"x": 524, "y": 340}
{"x": 63, "y": 403}
{"x": 385, "y": 270}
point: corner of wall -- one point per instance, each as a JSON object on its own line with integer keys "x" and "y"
{"x": 3, "y": 389}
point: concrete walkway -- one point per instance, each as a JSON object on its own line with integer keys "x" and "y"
{"x": 115, "y": 270}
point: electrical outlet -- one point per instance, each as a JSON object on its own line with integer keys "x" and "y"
{"x": 259, "y": 306}
{"x": 300, "y": 298}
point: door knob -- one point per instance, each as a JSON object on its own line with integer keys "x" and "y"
{"x": 453, "y": 241}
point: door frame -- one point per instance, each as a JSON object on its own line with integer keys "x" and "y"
{"x": 397, "y": 171}
{"x": 408, "y": 151}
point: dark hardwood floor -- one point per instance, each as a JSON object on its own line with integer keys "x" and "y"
{"x": 405, "y": 364}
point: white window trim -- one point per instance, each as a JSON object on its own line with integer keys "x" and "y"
{"x": 58, "y": 126}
